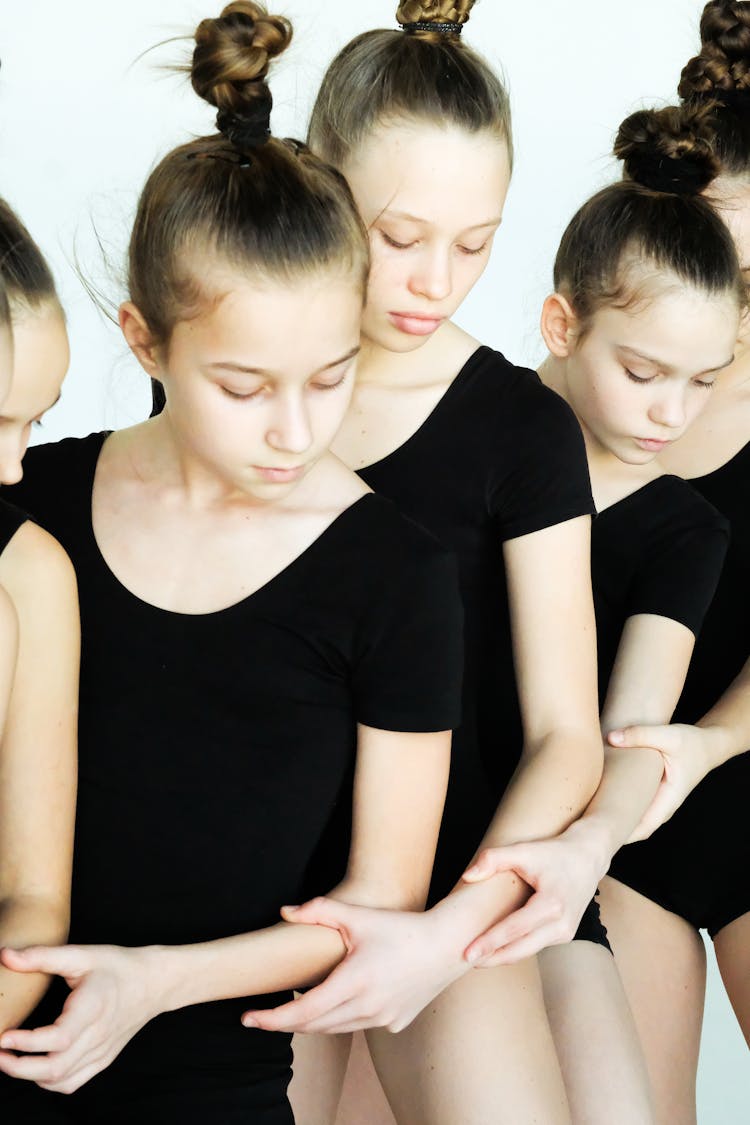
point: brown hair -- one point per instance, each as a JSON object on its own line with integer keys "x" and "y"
{"x": 256, "y": 202}
{"x": 428, "y": 75}
{"x": 655, "y": 220}
{"x": 720, "y": 77}
{"x": 27, "y": 281}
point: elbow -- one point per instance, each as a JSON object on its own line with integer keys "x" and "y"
{"x": 34, "y": 919}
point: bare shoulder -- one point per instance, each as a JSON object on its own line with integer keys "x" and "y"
{"x": 35, "y": 570}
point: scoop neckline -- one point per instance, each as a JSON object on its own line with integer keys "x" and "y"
{"x": 206, "y": 614}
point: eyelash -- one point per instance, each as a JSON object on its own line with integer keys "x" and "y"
{"x": 408, "y": 245}
{"x": 255, "y": 394}
{"x": 643, "y": 382}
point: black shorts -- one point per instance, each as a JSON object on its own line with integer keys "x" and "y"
{"x": 591, "y": 928}
{"x": 696, "y": 865}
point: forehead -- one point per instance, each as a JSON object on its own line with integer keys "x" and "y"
{"x": 430, "y": 172}
{"x": 678, "y": 325}
{"x": 274, "y": 324}
{"x": 40, "y": 360}
{"x": 732, "y": 199}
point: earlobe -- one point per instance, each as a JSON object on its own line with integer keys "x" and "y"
{"x": 139, "y": 338}
{"x": 559, "y": 325}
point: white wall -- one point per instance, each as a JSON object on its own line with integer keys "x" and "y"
{"x": 82, "y": 119}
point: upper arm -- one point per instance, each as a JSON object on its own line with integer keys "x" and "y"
{"x": 649, "y": 671}
{"x": 8, "y": 652}
{"x": 399, "y": 789}
{"x": 553, "y": 628}
{"x": 38, "y": 750}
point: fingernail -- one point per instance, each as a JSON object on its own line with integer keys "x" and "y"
{"x": 290, "y": 908}
{"x": 616, "y": 736}
{"x": 248, "y": 1021}
{"x": 474, "y": 955}
{"x": 471, "y": 871}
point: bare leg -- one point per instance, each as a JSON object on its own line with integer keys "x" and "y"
{"x": 595, "y": 1035}
{"x": 363, "y": 1101}
{"x": 662, "y": 965}
{"x": 481, "y": 1052}
{"x": 318, "y": 1076}
{"x": 732, "y": 946}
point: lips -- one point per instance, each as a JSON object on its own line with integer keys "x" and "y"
{"x": 415, "y": 324}
{"x": 653, "y": 445}
{"x": 280, "y": 476}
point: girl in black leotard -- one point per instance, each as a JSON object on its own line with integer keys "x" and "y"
{"x": 39, "y": 634}
{"x": 263, "y": 638}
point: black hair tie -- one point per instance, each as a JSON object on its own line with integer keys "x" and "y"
{"x": 250, "y": 129}
{"x": 673, "y": 176}
{"x": 447, "y": 27}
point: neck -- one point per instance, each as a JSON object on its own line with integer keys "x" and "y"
{"x": 377, "y": 365}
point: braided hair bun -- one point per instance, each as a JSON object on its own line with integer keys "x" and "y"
{"x": 723, "y": 65}
{"x": 231, "y": 60}
{"x": 669, "y": 150}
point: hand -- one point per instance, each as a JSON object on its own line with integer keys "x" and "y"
{"x": 113, "y": 996}
{"x": 686, "y": 752}
{"x": 396, "y": 962}
{"x": 564, "y": 873}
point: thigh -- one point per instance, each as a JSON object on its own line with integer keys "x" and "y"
{"x": 662, "y": 964}
{"x": 363, "y": 1101}
{"x": 481, "y": 1052}
{"x": 732, "y": 946}
{"x": 318, "y": 1071}
{"x": 597, "y": 1043}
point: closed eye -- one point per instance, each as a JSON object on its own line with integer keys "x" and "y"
{"x": 638, "y": 378}
{"x": 396, "y": 245}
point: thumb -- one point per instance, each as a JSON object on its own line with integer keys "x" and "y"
{"x": 319, "y": 912}
{"x": 490, "y": 862}
{"x": 655, "y": 737}
{"x": 63, "y": 960}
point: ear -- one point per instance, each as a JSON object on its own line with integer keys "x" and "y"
{"x": 559, "y": 325}
{"x": 140, "y": 338}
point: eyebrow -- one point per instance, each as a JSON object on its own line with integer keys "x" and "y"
{"x": 667, "y": 367}
{"x": 240, "y": 369}
{"x": 426, "y": 222}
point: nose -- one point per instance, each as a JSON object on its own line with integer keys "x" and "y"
{"x": 12, "y": 450}
{"x": 669, "y": 409}
{"x": 433, "y": 276}
{"x": 290, "y": 430}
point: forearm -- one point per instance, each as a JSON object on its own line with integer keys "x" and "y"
{"x": 27, "y": 921}
{"x": 552, "y": 785}
{"x": 629, "y": 783}
{"x": 728, "y": 722}
{"x": 270, "y": 960}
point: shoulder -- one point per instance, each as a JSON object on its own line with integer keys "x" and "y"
{"x": 675, "y": 505}
{"x": 36, "y": 571}
{"x": 54, "y": 469}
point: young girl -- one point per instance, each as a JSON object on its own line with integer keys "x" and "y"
{"x": 644, "y": 318}
{"x": 483, "y": 455}
{"x": 691, "y": 873}
{"x": 39, "y": 634}
{"x": 260, "y": 631}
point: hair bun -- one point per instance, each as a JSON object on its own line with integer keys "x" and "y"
{"x": 434, "y": 11}
{"x": 230, "y": 62}
{"x": 724, "y": 61}
{"x": 668, "y": 150}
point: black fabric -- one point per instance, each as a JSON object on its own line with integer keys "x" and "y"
{"x": 696, "y": 864}
{"x": 500, "y": 456}
{"x": 11, "y": 519}
{"x": 658, "y": 551}
{"x": 591, "y": 928}
{"x": 214, "y": 748}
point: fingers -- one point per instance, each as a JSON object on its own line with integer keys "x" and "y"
{"x": 663, "y": 806}
{"x": 657, "y": 737}
{"x": 491, "y": 861}
{"x": 527, "y": 946}
{"x": 529, "y": 924}
{"x": 62, "y": 960}
{"x": 320, "y": 912}
{"x": 334, "y": 991}
{"x": 36, "y": 1041}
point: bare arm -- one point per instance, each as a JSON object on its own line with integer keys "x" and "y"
{"x": 37, "y": 759}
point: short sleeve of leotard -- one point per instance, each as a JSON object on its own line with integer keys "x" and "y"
{"x": 682, "y": 562}
{"x": 408, "y": 658}
{"x": 539, "y": 473}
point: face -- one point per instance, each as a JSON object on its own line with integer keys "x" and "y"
{"x": 733, "y": 202}
{"x": 40, "y": 360}
{"x": 432, "y": 200}
{"x": 640, "y": 376}
{"x": 258, "y": 385}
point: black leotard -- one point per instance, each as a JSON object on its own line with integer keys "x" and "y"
{"x": 500, "y": 456}
{"x": 213, "y": 750}
{"x": 696, "y": 864}
{"x": 11, "y": 519}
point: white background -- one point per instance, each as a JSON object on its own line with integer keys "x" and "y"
{"x": 83, "y": 118}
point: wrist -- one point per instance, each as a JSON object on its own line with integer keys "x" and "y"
{"x": 596, "y": 839}
{"x": 162, "y": 979}
{"x": 716, "y": 744}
